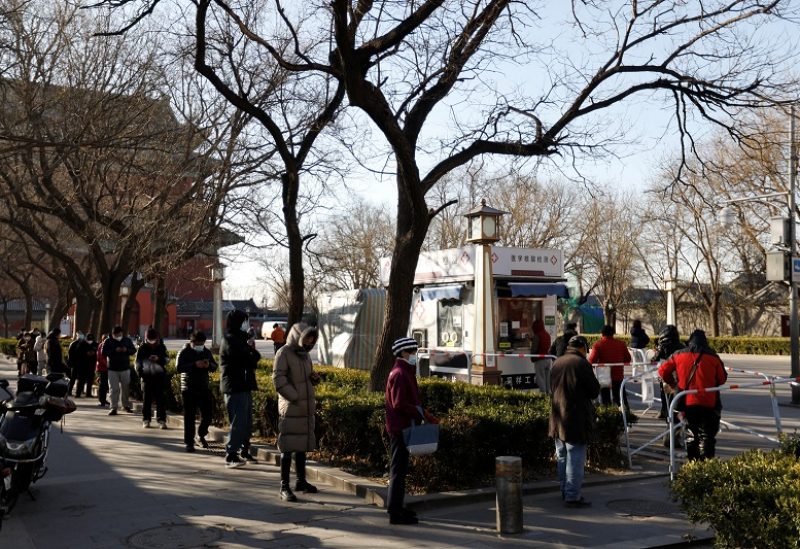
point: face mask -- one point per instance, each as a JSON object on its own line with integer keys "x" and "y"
{"x": 151, "y": 342}
{"x": 80, "y": 337}
{"x": 245, "y": 326}
{"x": 199, "y": 348}
{"x": 308, "y": 347}
{"x": 118, "y": 337}
{"x": 412, "y": 359}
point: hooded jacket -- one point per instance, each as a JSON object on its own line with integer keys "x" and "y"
{"x": 145, "y": 351}
{"x": 540, "y": 343}
{"x": 296, "y": 396}
{"x": 710, "y": 372}
{"x": 238, "y": 360}
{"x": 194, "y": 379}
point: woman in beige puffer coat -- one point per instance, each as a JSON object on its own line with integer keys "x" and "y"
{"x": 294, "y": 379}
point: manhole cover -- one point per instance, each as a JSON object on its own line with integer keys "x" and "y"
{"x": 642, "y": 507}
{"x": 176, "y": 536}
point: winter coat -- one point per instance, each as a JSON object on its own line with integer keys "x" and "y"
{"x": 118, "y": 353}
{"x": 611, "y": 351}
{"x": 639, "y": 338}
{"x": 194, "y": 379}
{"x": 710, "y": 373}
{"x": 38, "y": 346}
{"x": 238, "y": 363}
{"x": 147, "y": 350}
{"x": 80, "y": 356}
{"x": 101, "y": 364}
{"x": 574, "y": 388}
{"x": 55, "y": 356}
{"x": 540, "y": 342}
{"x": 402, "y": 398}
{"x": 25, "y": 352}
{"x": 559, "y": 346}
{"x": 296, "y": 396}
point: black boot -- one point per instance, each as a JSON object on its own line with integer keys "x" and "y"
{"x": 287, "y": 494}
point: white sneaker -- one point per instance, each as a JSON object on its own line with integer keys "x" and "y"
{"x": 145, "y": 425}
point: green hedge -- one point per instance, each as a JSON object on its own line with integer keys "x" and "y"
{"x": 740, "y": 345}
{"x": 750, "y": 501}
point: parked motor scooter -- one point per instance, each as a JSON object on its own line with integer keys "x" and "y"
{"x": 25, "y": 431}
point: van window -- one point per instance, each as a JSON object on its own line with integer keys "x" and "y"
{"x": 448, "y": 324}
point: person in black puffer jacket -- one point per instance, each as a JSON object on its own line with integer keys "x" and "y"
{"x": 238, "y": 362}
{"x": 151, "y": 365}
{"x": 669, "y": 342}
{"x": 195, "y": 362}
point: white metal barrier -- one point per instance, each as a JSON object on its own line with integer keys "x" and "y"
{"x": 769, "y": 381}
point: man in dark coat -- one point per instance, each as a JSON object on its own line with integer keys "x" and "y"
{"x": 238, "y": 362}
{"x": 559, "y": 346}
{"x": 195, "y": 362}
{"x": 54, "y": 353}
{"x": 119, "y": 349}
{"x": 572, "y": 418}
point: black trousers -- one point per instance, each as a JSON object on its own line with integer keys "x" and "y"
{"x": 85, "y": 380}
{"x": 102, "y": 387}
{"x": 154, "y": 392}
{"x": 398, "y": 469}
{"x": 192, "y": 402}
{"x": 286, "y": 467}
{"x": 607, "y": 396}
{"x": 702, "y": 426}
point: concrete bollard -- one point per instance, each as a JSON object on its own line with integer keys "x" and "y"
{"x": 508, "y": 481}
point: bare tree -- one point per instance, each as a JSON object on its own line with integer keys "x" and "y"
{"x": 401, "y": 61}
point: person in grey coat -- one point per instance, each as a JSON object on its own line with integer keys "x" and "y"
{"x": 294, "y": 379}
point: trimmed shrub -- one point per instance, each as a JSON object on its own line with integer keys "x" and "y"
{"x": 750, "y": 501}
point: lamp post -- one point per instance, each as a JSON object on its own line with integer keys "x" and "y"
{"x": 46, "y": 317}
{"x": 670, "y": 285}
{"x": 787, "y": 238}
{"x": 483, "y": 228}
{"x": 124, "y": 293}
{"x": 217, "y": 277}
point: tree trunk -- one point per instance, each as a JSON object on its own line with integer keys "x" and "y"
{"x": 26, "y": 292}
{"x": 108, "y": 307}
{"x": 713, "y": 316}
{"x": 291, "y": 185}
{"x": 411, "y": 231}
{"x": 160, "y": 305}
{"x": 136, "y": 285}
{"x": 5, "y": 318}
{"x": 84, "y": 305}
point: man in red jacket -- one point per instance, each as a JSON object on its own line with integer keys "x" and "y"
{"x": 698, "y": 367}
{"x": 611, "y": 351}
{"x": 403, "y": 406}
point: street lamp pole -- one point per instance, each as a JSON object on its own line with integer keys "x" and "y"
{"x": 794, "y": 329}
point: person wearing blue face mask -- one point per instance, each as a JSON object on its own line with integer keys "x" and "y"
{"x": 195, "y": 362}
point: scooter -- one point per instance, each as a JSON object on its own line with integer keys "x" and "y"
{"x": 25, "y": 431}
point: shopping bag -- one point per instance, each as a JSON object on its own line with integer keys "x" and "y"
{"x": 421, "y": 439}
{"x": 603, "y": 375}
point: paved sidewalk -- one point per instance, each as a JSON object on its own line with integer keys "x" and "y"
{"x": 113, "y": 484}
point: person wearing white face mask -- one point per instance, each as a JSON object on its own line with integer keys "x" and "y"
{"x": 403, "y": 405}
{"x": 195, "y": 362}
{"x": 118, "y": 351}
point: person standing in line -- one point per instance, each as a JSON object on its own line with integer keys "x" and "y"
{"x": 572, "y": 417}
{"x": 559, "y": 346}
{"x": 86, "y": 366}
{"x": 195, "y": 362}
{"x": 26, "y": 355}
{"x": 403, "y": 405}
{"x": 639, "y": 338}
{"x": 39, "y": 340}
{"x": 669, "y": 342}
{"x": 118, "y": 350}
{"x": 295, "y": 379}
{"x": 54, "y": 352}
{"x": 278, "y": 337}
{"x": 540, "y": 345}
{"x": 698, "y": 367}
{"x": 101, "y": 367}
{"x": 151, "y": 365}
{"x": 75, "y": 354}
{"x": 238, "y": 359}
{"x": 608, "y": 350}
